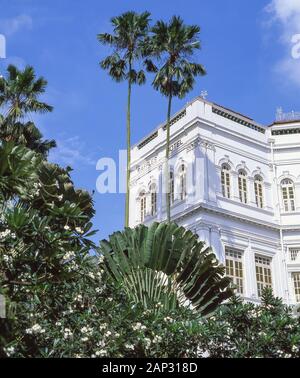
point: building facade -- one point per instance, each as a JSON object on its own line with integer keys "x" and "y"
{"x": 233, "y": 182}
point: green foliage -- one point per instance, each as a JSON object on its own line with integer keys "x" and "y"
{"x": 19, "y": 93}
{"x": 166, "y": 264}
{"x": 88, "y": 317}
{"x": 172, "y": 44}
{"x": 128, "y": 44}
{"x": 45, "y": 221}
{"x": 245, "y": 330}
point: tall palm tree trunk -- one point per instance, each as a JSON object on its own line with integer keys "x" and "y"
{"x": 128, "y": 152}
{"x": 167, "y": 173}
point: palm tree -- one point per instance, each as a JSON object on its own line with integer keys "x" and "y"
{"x": 19, "y": 93}
{"x": 166, "y": 264}
{"x": 172, "y": 44}
{"x": 129, "y": 33}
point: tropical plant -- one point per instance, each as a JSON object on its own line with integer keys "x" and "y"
{"x": 19, "y": 93}
{"x": 128, "y": 44}
{"x": 172, "y": 45}
{"x": 19, "y": 97}
{"x": 87, "y": 316}
{"x": 26, "y": 134}
{"x": 165, "y": 265}
{"x": 45, "y": 226}
{"x": 239, "y": 329}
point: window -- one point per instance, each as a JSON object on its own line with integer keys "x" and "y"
{"x": 263, "y": 273}
{"x": 288, "y": 196}
{"x": 142, "y": 206}
{"x": 296, "y": 281}
{"x": 153, "y": 199}
{"x": 294, "y": 253}
{"x": 258, "y": 189}
{"x": 225, "y": 180}
{"x": 243, "y": 186}
{"x": 171, "y": 188}
{"x": 234, "y": 268}
{"x": 182, "y": 182}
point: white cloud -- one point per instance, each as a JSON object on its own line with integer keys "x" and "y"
{"x": 71, "y": 151}
{"x": 286, "y": 14}
{"x": 10, "y": 26}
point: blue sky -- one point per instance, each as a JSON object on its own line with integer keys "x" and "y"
{"x": 246, "y": 49}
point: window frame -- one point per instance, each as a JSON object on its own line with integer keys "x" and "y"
{"x": 143, "y": 206}
{"x": 234, "y": 265}
{"x": 258, "y": 191}
{"x": 296, "y": 285}
{"x": 242, "y": 186}
{"x": 182, "y": 182}
{"x": 261, "y": 270}
{"x": 171, "y": 187}
{"x": 153, "y": 199}
{"x": 288, "y": 196}
{"x": 226, "y": 180}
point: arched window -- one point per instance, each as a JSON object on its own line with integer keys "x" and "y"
{"x": 258, "y": 189}
{"x": 182, "y": 181}
{"x": 142, "y": 206}
{"x": 171, "y": 187}
{"x": 243, "y": 186}
{"x": 288, "y": 195}
{"x": 153, "y": 193}
{"x": 225, "y": 180}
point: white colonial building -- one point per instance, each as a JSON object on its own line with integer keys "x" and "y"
{"x": 233, "y": 182}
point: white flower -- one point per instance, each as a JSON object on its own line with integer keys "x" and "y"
{"x": 98, "y": 290}
{"x": 101, "y": 353}
{"x": 66, "y": 227}
{"x": 91, "y": 275}
{"x": 68, "y": 255}
{"x": 157, "y": 339}
{"x": 129, "y": 346}
{"x": 67, "y": 333}
{"x": 107, "y": 334}
{"x": 35, "y": 329}
{"x": 138, "y": 326}
{"x": 84, "y": 339}
{"x": 87, "y": 330}
{"x": 60, "y": 197}
{"x": 101, "y": 259}
{"x": 58, "y": 324}
{"x": 295, "y": 348}
{"x": 5, "y": 233}
{"x": 78, "y": 298}
{"x": 79, "y": 230}
{"x": 147, "y": 342}
{"x": 9, "y": 350}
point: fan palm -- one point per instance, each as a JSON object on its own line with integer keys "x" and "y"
{"x": 173, "y": 44}
{"x": 166, "y": 264}
{"x": 128, "y": 42}
{"x": 19, "y": 93}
